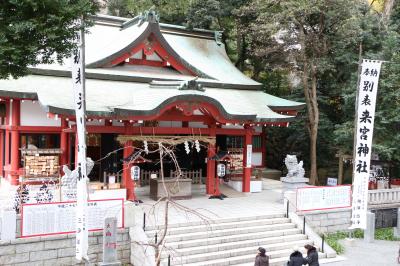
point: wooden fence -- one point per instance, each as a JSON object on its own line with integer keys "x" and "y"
{"x": 195, "y": 175}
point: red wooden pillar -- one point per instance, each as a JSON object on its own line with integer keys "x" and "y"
{"x": 64, "y": 143}
{"x": 1, "y": 152}
{"x": 246, "y": 170}
{"x": 127, "y": 181}
{"x": 263, "y": 148}
{"x": 7, "y": 132}
{"x": 15, "y": 155}
{"x": 210, "y": 180}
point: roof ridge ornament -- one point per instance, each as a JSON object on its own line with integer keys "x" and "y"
{"x": 150, "y": 16}
{"x": 218, "y": 37}
{"x": 192, "y": 84}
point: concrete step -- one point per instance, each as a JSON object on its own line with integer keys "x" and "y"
{"x": 273, "y": 236}
{"x": 275, "y": 224}
{"x": 280, "y": 261}
{"x": 217, "y": 221}
{"x": 270, "y": 244}
{"x": 226, "y": 254}
{"x": 232, "y": 241}
{"x": 217, "y": 226}
{"x": 277, "y": 258}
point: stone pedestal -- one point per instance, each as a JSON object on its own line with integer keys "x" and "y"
{"x": 292, "y": 183}
{"x": 396, "y": 230}
{"x": 369, "y": 233}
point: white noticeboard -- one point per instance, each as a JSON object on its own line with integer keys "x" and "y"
{"x": 249, "y": 153}
{"x": 322, "y": 198}
{"x": 59, "y": 217}
{"x": 331, "y": 181}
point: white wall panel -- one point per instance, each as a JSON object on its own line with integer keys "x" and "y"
{"x": 257, "y": 159}
{"x": 32, "y": 114}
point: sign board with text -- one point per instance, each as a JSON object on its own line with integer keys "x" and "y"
{"x": 59, "y": 217}
{"x": 331, "y": 181}
{"x": 323, "y": 198}
{"x": 249, "y": 154}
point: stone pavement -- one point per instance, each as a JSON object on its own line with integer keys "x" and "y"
{"x": 360, "y": 253}
{"x": 252, "y": 204}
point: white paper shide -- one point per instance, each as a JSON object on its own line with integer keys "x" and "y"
{"x": 367, "y": 92}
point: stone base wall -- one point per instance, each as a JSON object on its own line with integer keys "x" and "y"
{"x": 59, "y": 249}
{"x": 328, "y": 221}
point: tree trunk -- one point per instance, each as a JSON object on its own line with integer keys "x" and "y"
{"x": 387, "y": 10}
{"x": 310, "y": 93}
{"x": 240, "y": 47}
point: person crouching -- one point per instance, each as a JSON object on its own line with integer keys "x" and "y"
{"x": 261, "y": 259}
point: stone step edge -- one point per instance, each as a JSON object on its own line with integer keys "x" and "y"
{"x": 294, "y": 232}
{"x": 210, "y": 226}
{"x": 228, "y": 253}
{"x": 218, "y": 220}
{"x": 267, "y": 227}
{"x": 268, "y": 247}
{"x": 250, "y": 258}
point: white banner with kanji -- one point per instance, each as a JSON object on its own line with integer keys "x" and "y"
{"x": 78, "y": 81}
{"x": 367, "y": 92}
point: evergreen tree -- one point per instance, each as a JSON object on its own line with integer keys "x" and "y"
{"x": 35, "y": 32}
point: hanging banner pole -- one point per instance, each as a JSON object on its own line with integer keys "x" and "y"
{"x": 78, "y": 81}
{"x": 365, "y": 114}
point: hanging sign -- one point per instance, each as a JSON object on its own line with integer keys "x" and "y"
{"x": 135, "y": 173}
{"x": 221, "y": 170}
{"x": 78, "y": 81}
{"x": 249, "y": 153}
{"x": 331, "y": 181}
{"x": 367, "y": 91}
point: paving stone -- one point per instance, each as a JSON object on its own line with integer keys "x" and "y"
{"x": 15, "y": 258}
{"x": 66, "y": 252}
{"x": 7, "y": 250}
{"x": 56, "y": 244}
{"x": 36, "y": 246}
{"x": 44, "y": 254}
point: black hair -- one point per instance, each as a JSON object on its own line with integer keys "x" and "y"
{"x": 262, "y": 251}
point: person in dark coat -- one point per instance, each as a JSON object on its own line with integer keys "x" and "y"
{"x": 296, "y": 258}
{"x": 312, "y": 256}
{"x": 261, "y": 259}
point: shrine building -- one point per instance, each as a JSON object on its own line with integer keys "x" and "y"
{"x": 143, "y": 78}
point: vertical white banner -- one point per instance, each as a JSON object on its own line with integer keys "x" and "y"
{"x": 249, "y": 155}
{"x": 78, "y": 80}
{"x": 367, "y": 92}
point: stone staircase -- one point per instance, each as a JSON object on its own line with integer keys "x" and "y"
{"x": 232, "y": 241}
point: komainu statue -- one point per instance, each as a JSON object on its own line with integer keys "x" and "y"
{"x": 70, "y": 179}
{"x": 295, "y": 169}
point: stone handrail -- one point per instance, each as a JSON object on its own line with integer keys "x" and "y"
{"x": 384, "y": 197}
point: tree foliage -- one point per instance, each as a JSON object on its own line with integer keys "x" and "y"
{"x": 35, "y": 32}
{"x": 309, "y": 51}
{"x": 308, "y": 38}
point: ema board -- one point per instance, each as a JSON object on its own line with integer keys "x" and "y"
{"x": 59, "y": 217}
{"x": 323, "y": 198}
